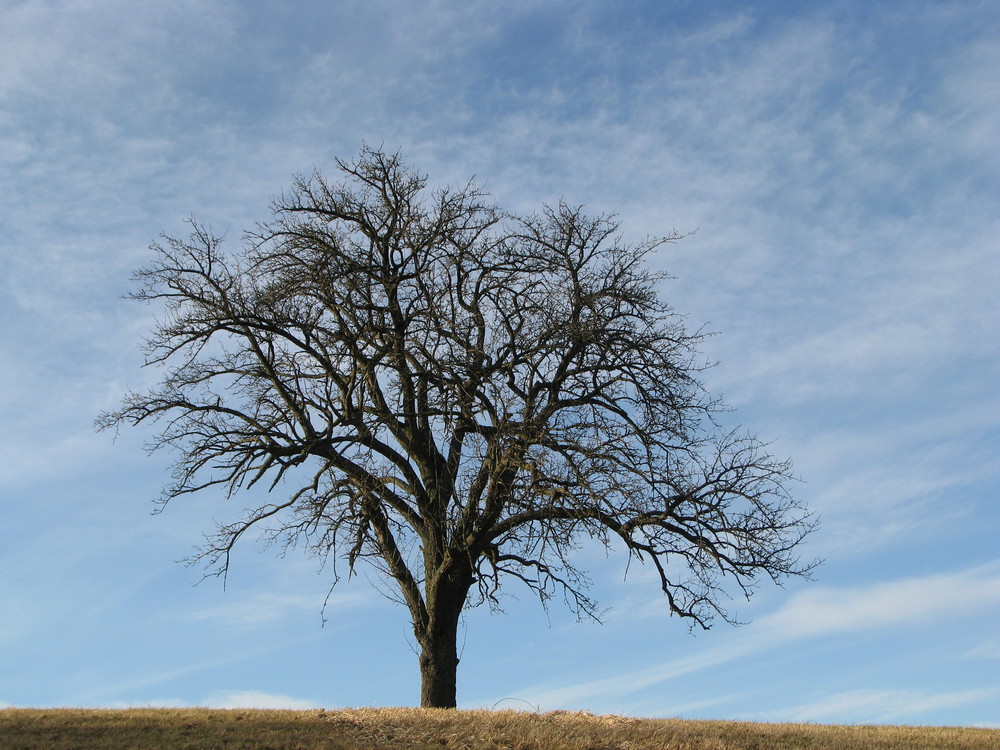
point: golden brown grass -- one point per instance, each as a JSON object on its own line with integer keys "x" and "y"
{"x": 416, "y": 729}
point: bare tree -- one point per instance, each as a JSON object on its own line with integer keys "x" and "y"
{"x": 457, "y": 396}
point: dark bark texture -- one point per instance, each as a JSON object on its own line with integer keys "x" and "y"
{"x": 456, "y": 396}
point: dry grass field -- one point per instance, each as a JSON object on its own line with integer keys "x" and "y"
{"x": 416, "y": 729}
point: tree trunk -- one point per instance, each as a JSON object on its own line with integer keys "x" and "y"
{"x": 439, "y": 661}
{"x": 438, "y": 674}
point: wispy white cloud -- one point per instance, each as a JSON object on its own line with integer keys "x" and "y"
{"x": 812, "y": 613}
{"x": 256, "y": 609}
{"x": 974, "y": 100}
{"x": 106, "y": 695}
{"x": 877, "y": 481}
{"x": 256, "y": 699}
{"x": 818, "y": 611}
{"x": 986, "y": 650}
{"x": 580, "y": 693}
{"x": 879, "y": 706}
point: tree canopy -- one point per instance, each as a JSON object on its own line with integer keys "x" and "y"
{"x": 458, "y": 396}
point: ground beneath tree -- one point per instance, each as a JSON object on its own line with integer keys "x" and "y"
{"x": 423, "y": 729}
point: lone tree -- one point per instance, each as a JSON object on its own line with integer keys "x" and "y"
{"x": 456, "y": 395}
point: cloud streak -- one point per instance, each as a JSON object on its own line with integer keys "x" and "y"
{"x": 811, "y": 614}
{"x": 820, "y": 611}
{"x": 878, "y": 706}
{"x": 261, "y": 608}
{"x": 257, "y": 699}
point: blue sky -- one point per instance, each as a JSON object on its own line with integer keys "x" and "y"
{"x": 841, "y": 164}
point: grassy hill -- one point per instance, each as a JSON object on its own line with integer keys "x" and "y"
{"x": 416, "y": 729}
